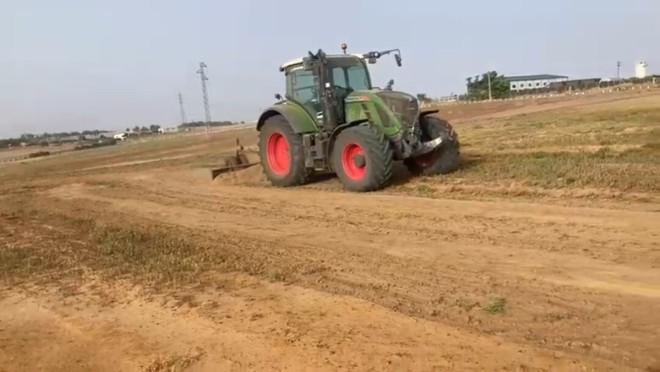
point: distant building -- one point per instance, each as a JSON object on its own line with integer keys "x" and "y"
{"x": 450, "y": 98}
{"x": 574, "y": 85}
{"x": 532, "y": 82}
{"x": 91, "y": 137}
{"x": 168, "y": 130}
{"x": 640, "y": 70}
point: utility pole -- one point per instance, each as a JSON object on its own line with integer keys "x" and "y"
{"x": 490, "y": 91}
{"x": 207, "y": 112}
{"x": 183, "y": 111}
{"x": 618, "y": 70}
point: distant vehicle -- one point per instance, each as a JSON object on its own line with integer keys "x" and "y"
{"x": 120, "y": 136}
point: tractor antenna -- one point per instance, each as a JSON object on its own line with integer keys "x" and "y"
{"x": 205, "y": 95}
{"x": 183, "y": 112}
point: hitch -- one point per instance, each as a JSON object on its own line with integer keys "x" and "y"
{"x": 240, "y": 160}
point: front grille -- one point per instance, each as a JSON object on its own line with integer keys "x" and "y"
{"x": 403, "y": 106}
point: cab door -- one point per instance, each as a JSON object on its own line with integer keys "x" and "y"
{"x": 302, "y": 87}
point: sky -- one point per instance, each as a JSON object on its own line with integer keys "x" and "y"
{"x": 71, "y": 65}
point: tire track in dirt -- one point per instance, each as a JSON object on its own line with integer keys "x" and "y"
{"x": 291, "y": 327}
{"x": 440, "y": 260}
{"x": 529, "y": 226}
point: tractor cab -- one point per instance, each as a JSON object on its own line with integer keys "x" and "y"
{"x": 322, "y": 83}
{"x": 344, "y": 73}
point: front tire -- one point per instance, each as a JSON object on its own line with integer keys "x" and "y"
{"x": 281, "y": 153}
{"x": 442, "y": 160}
{"x": 362, "y": 158}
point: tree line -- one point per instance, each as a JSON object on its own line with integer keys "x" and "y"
{"x": 477, "y": 88}
{"x": 196, "y": 124}
{"x": 45, "y": 138}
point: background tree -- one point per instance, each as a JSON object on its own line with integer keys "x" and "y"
{"x": 194, "y": 124}
{"x": 423, "y": 98}
{"x": 477, "y": 87}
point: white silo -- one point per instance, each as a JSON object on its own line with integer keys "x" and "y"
{"x": 640, "y": 69}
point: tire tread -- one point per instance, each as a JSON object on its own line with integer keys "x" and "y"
{"x": 379, "y": 151}
{"x": 299, "y": 174}
{"x": 449, "y": 152}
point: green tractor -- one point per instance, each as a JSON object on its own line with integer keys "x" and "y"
{"x": 333, "y": 120}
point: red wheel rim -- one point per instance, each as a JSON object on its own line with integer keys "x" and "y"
{"x": 426, "y": 160}
{"x": 277, "y": 152}
{"x": 353, "y": 170}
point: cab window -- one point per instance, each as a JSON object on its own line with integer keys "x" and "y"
{"x": 302, "y": 88}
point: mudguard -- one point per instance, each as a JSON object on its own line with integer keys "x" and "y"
{"x": 427, "y": 112}
{"x": 335, "y": 133}
{"x": 299, "y": 119}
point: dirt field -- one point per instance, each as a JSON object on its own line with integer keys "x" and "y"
{"x": 20, "y": 153}
{"x": 541, "y": 253}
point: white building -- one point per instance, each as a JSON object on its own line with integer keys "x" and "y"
{"x": 640, "y": 69}
{"x": 168, "y": 130}
{"x": 531, "y": 82}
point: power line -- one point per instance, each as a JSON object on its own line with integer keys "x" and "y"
{"x": 183, "y": 111}
{"x": 207, "y": 112}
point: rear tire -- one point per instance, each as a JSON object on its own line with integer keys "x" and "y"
{"x": 362, "y": 158}
{"x": 281, "y": 153}
{"x": 442, "y": 160}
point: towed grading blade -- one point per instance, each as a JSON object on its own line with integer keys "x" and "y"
{"x": 243, "y": 158}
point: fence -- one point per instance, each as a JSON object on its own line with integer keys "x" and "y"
{"x": 645, "y": 86}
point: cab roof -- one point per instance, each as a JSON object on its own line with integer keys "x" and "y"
{"x": 299, "y": 61}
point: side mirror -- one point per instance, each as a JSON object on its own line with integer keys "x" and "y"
{"x": 372, "y": 60}
{"x": 278, "y": 96}
{"x": 397, "y": 57}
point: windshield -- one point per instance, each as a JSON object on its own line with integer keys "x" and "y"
{"x": 350, "y": 73}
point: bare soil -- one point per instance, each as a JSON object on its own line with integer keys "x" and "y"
{"x": 133, "y": 259}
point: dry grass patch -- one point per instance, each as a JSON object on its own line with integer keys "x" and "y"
{"x": 48, "y": 245}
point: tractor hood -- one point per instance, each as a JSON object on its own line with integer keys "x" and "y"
{"x": 403, "y": 105}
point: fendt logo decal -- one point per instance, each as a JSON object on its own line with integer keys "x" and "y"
{"x": 357, "y": 99}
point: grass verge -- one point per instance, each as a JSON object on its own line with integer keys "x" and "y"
{"x": 630, "y": 170}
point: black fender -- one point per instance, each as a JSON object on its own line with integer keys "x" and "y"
{"x": 428, "y": 112}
